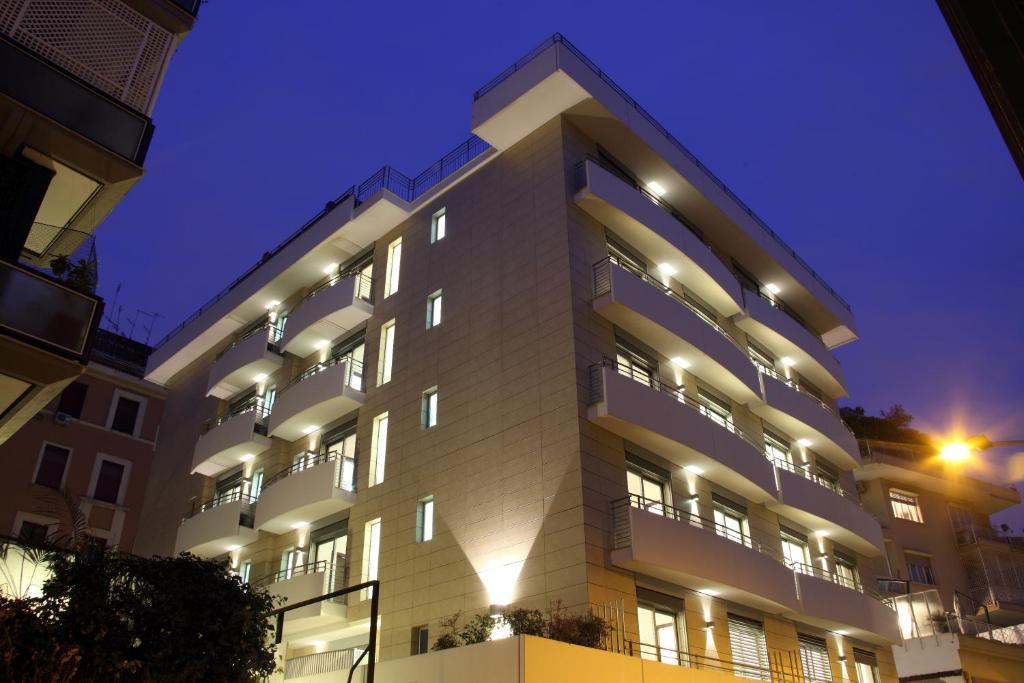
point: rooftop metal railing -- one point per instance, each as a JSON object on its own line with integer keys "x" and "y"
{"x": 559, "y": 39}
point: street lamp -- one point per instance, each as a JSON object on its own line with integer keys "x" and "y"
{"x": 958, "y": 451}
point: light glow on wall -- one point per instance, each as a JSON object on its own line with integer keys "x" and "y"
{"x": 246, "y": 457}
{"x": 500, "y": 581}
{"x": 309, "y": 429}
{"x": 656, "y": 188}
{"x": 667, "y": 269}
{"x": 773, "y": 288}
{"x": 260, "y": 377}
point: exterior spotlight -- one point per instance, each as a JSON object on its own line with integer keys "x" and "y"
{"x": 657, "y": 188}
{"x": 667, "y": 269}
{"x": 955, "y": 452}
{"x": 773, "y": 288}
{"x": 694, "y": 469}
{"x": 680, "y": 362}
{"x": 274, "y": 303}
{"x": 804, "y": 442}
{"x": 708, "y": 625}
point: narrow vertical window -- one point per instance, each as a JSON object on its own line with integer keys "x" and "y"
{"x": 425, "y": 519}
{"x": 428, "y": 416}
{"x": 256, "y": 484}
{"x": 245, "y": 571}
{"x": 108, "y": 482}
{"x": 393, "y": 268}
{"x": 52, "y": 465}
{"x": 378, "y": 448}
{"x": 371, "y": 551}
{"x": 420, "y": 640}
{"x": 387, "y": 352}
{"x": 434, "y": 309}
{"x": 437, "y": 226}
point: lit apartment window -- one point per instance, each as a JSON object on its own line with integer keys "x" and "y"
{"x": 867, "y": 666}
{"x": 634, "y": 365}
{"x": 425, "y": 520}
{"x": 266, "y": 401}
{"x": 761, "y": 358}
{"x": 749, "y": 649}
{"x": 919, "y": 569}
{"x": 371, "y": 550}
{"x": 393, "y": 267}
{"x": 646, "y": 490}
{"x": 814, "y": 659}
{"x": 256, "y": 483}
{"x": 107, "y": 482}
{"x": 378, "y": 448}
{"x": 387, "y": 352}
{"x": 777, "y": 448}
{"x": 245, "y": 571}
{"x": 434, "y": 309}
{"x": 277, "y": 328}
{"x": 428, "y": 413}
{"x": 125, "y": 413}
{"x": 420, "y": 640}
{"x": 438, "y": 226}
{"x": 846, "y": 571}
{"x": 287, "y": 567}
{"x": 53, "y": 462}
{"x": 661, "y": 633}
{"x": 795, "y": 552}
{"x": 905, "y": 506}
{"x": 731, "y": 520}
{"x": 716, "y": 409}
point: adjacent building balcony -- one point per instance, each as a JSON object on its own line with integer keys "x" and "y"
{"x": 831, "y": 602}
{"x": 321, "y": 667}
{"x": 217, "y": 526}
{"x": 663, "y": 420}
{"x": 254, "y": 355}
{"x": 305, "y": 582}
{"x": 334, "y": 306}
{"x": 232, "y": 439}
{"x": 805, "y": 418}
{"x": 664, "y": 320}
{"x": 321, "y": 394}
{"x": 677, "y": 546}
{"x": 307, "y": 491}
{"x": 823, "y": 506}
{"x": 658, "y": 230}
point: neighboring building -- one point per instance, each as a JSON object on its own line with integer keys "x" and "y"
{"x": 964, "y": 580}
{"x": 564, "y": 362}
{"x": 96, "y": 441}
{"x": 990, "y": 34}
{"x": 78, "y": 82}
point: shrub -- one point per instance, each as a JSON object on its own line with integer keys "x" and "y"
{"x": 478, "y": 630}
{"x": 524, "y": 622}
{"x": 578, "y": 629}
{"x": 449, "y": 637}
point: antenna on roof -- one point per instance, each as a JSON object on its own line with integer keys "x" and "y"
{"x": 114, "y": 323}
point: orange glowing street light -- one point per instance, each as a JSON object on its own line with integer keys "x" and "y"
{"x": 957, "y": 451}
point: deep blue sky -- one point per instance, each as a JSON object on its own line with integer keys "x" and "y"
{"x": 854, "y": 129}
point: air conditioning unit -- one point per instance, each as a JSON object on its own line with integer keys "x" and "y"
{"x": 62, "y": 418}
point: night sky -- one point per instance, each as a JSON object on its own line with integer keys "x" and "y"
{"x": 854, "y": 129}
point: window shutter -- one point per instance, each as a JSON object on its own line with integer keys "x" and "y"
{"x": 814, "y": 659}
{"x": 749, "y": 649}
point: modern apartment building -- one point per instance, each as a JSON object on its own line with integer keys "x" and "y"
{"x": 96, "y": 441}
{"x": 962, "y": 609}
{"x": 564, "y": 363}
{"x": 78, "y": 82}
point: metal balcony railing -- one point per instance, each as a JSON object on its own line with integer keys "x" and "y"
{"x": 318, "y": 567}
{"x": 272, "y": 331}
{"x": 255, "y": 404}
{"x": 783, "y": 670}
{"x": 235, "y": 495}
{"x": 805, "y": 472}
{"x": 353, "y": 373}
{"x": 321, "y": 663}
{"x": 364, "y": 285}
{"x": 344, "y": 476}
{"x": 922, "y": 616}
{"x": 559, "y": 39}
{"x": 973, "y": 534}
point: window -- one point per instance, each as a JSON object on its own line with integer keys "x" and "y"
{"x": 329, "y": 546}
{"x": 394, "y": 266}
{"x": 341, "y": 445}
{"x": 420, "y": 640}
{"x": 438, "y": 226}
{"x": 960, "y": 517}
{"x": 825, "y": 473}
{"x": 632, "y": 364}
{"x": 53, "y": 462}
{"x": 267, "y": 400}
{"x": 646, "y": 490}
{"x": 795, "y": 553}
{"x": 387, "y": 352}
{"x": 749, "y": 649}
{"x": 245, "y": 571}
{"x": 730, "y": 520}
{"x": 378, "y": 448}
{"x": 364, "y": 289}
{"x": 72, "y": 399}
{"x": 777, "y": 448}
{"x": 814, "y": 659}
{"x": 761, "y": 358}
{"x": 919, "y": 569}
{"x": 108, "y": 481}
{"x": 434, "y": 309}
{"x": 867, "y": 666}
{"x": 905, "y": 506}
{"x": 287, "y": 567}
{"x": 256, "y": 483}
{"x": 425, "y": 520}
{"x": 371, "y": 550}
{"x": 659, "y": 635}
{"x": 846, "y": 571}
{"x": 428, "y": 416}
{"x": 228, "y": 489}
{"x": 126, "y": 413}
{"x": 716, "y": 409}
{"x": 277, "y": 327}
{"x": 622, "y": 257}
{"x": 33, "y": 533}
{"x": 352, "y": 350}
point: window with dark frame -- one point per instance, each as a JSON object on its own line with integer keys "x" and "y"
{"x": 33, "y": 532}
{"x": 52, "y": 463}
{"x": 72, "y": 399}
{"x": 420, "y": 640}
{"x": 126, "y": 413}
{"x": 108, "y": 481}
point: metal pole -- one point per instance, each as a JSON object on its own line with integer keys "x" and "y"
{"x": 374, "y": 607}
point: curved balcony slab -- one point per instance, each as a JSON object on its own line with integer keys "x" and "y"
{"x": 327, "y": 312}
{"x": 785, "y": 337}
{"x": 801, "y": 416}
{"x": 305, "y": 496}
{"x": 838, "y": 608}
{"x": 237, "y": 368}
{"x": 680, "y": 434}
{"x": 315, "y": 400}
{"x": 306, "y": 586}
{"x": 665, "y": 324}
{"x": 822, "y": 509}
{"x": 655, "y": 232}
{"x": 698, "y": 558}
{"x": 226, "y": 444}
{"x": 216, "y": 530}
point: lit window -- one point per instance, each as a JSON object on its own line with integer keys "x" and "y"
{"x": 371, "y": 551}
{"x": 245, "y": 571}
{"x": 387, "y": 352}
{"x": 919, "y": 569}
{"x": 52, "y": 465}
{"x": 434, "y": 309}
{"x": 437, "y": 226}
{"x": 814, "y": 659}
{"x": 378, "y": 448}
{"x": 867, "y": 667}
{"x": 846, "y": 572}
{"x": 749, "y": 649}
{"x": 425, "y": 520}
{"x": 731, "y": 521}
{"x": 256, "y": 483}
{"x": 428, "y": 417}
{"x": 715, "y": 409}
{"x": 795, "y": 553}
{"x": 393, "y": 268}
{"x": 660, "y": 635}
{"x": 776, "y": 448}
{"x": 645, "y": 491}
{"x": 905, "y": 506}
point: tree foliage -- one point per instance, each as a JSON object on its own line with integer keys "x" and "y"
{"x": 557, "y": 623}
{"x": 80, "y": 274}
{"x": 892, "y": 424}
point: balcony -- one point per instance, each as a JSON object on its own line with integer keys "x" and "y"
{"x": 823, "y": 506}
{"x": 319, "y": 395}
{"x": 237, "y": 367}
{"x": 786, "y": 336}
{"x": 307, "y": 491}
{"x": 664, "y": 421}
{"x": 802, "y": 416}
{"x": 217, "y": 526}
{"x": 231, "y": 439}
{"x": 333, "y": 307}
{"x": 659, "y": 541}
{"x": 322, "y": 663}
{"x": 657, "y": 230}
{"x": 829, "y": 601}
{"x": 305, "y": 582}
{"x": 664, "y": 320}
